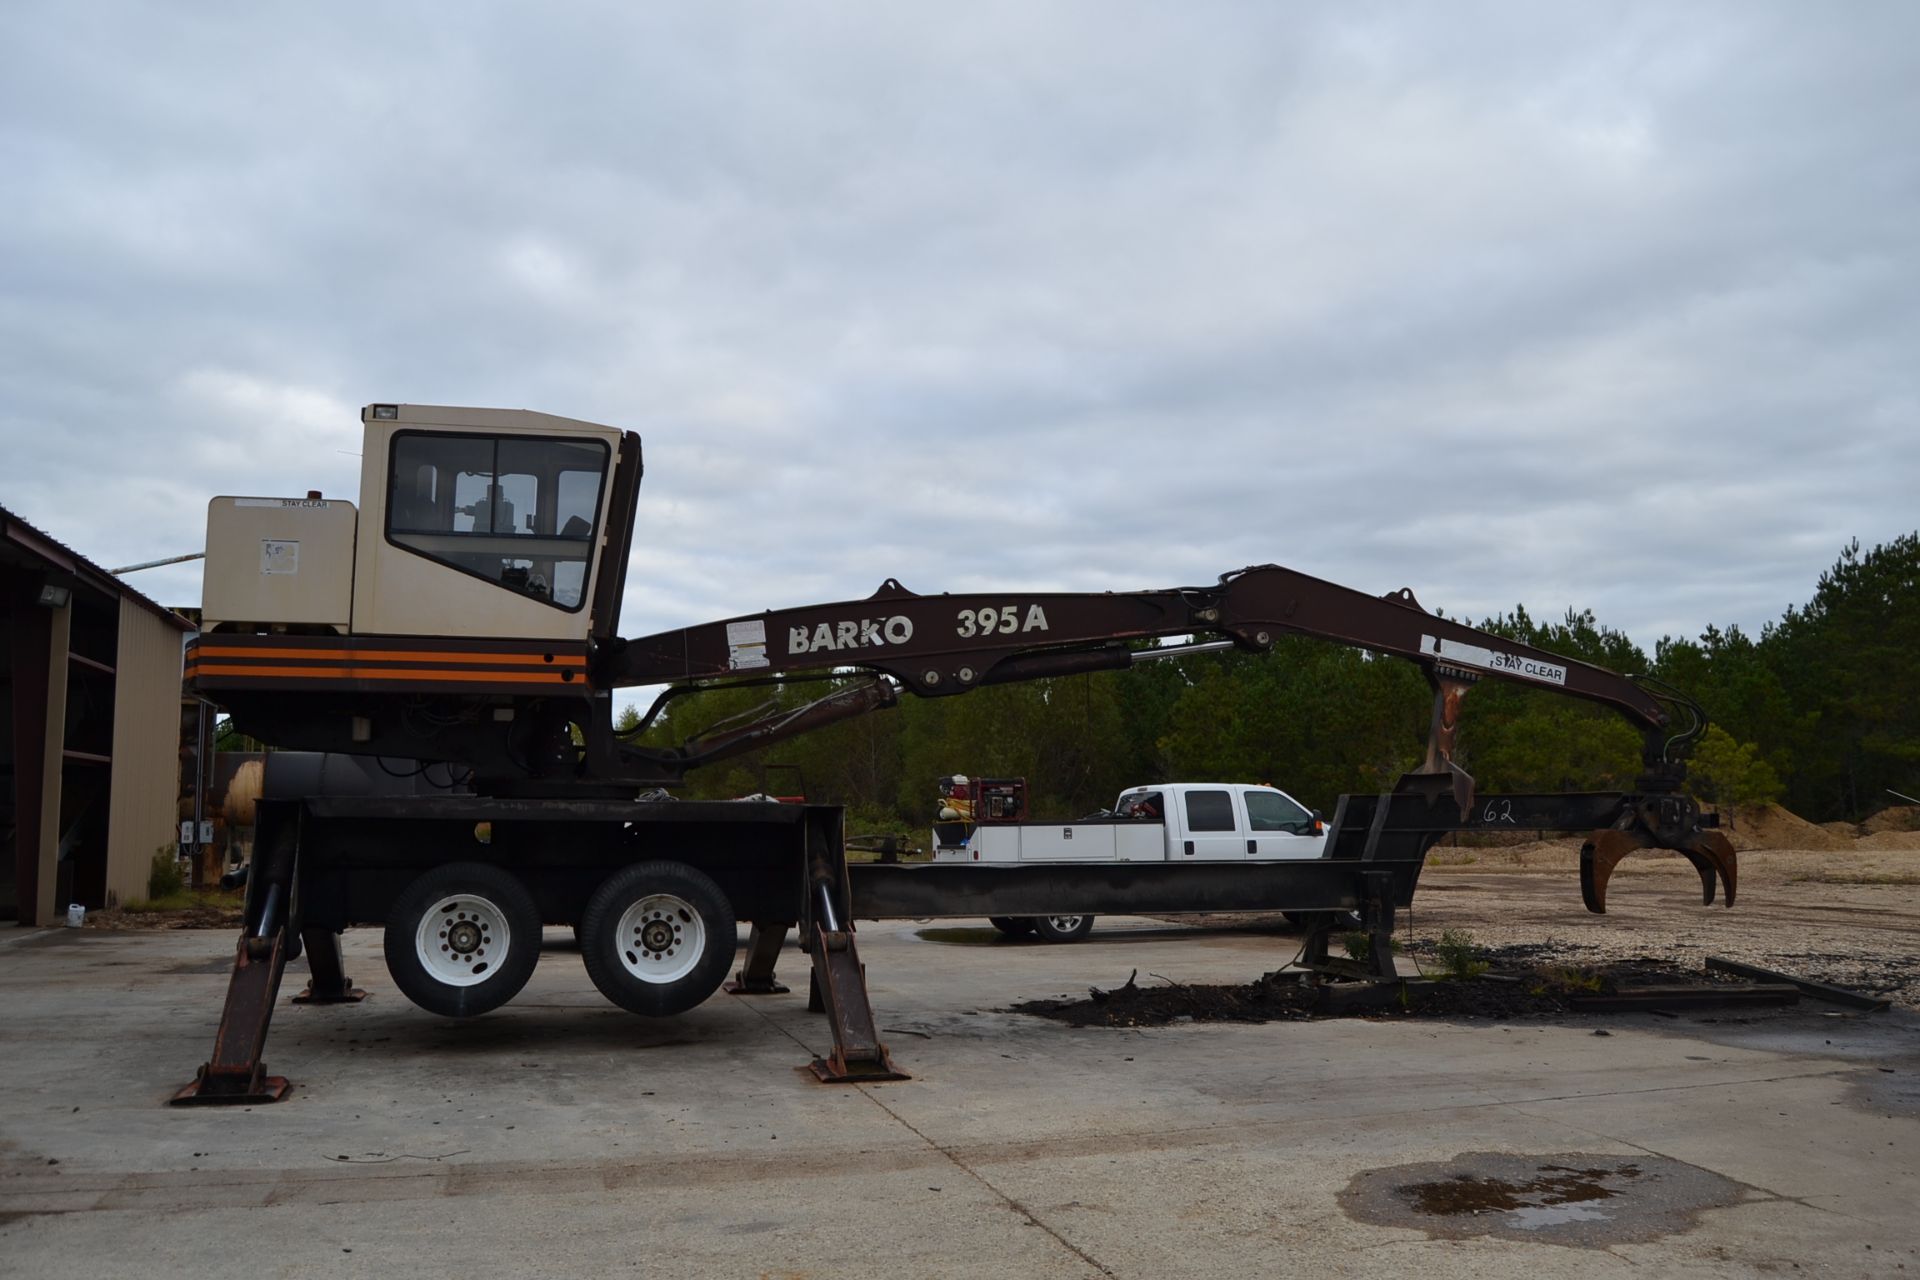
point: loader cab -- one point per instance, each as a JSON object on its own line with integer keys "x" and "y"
{"x": 491, "y": 523}
{"x": 480, "y": 523}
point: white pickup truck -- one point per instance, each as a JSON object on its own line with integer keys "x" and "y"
{"x": 982, "y": 820}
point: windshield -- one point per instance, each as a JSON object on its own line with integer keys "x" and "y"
{"x": 520, "y": 512}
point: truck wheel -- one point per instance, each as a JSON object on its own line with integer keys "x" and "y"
{"x": 1012, "y": 926}
{"x": 1062, "y": 928}
{"x": 463, "y": 939}
{"x": 658, "y": 938}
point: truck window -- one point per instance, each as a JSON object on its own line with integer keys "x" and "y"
{"x": 1209, "y": 811}
{"x": 1271, "y": 811}
{"x": 520, "y": 512}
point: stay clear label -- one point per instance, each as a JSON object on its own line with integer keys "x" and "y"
{"x": 1507, "y": 664}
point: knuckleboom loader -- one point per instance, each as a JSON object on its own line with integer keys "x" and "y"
{"x": 454, "y": 633}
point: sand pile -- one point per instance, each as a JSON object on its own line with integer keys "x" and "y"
{"x": 1769, "y": 826}
{"x": 1893, "y": 840}
{"x": 1901, "y": 817}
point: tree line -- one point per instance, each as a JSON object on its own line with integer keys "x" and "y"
{"x": 1820, "y": 711}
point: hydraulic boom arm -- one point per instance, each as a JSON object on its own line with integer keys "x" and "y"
{"x": 948, "y": 644}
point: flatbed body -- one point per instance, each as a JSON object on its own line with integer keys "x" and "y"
{"x": 359, "y": 853}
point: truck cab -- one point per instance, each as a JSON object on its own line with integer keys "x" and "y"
{"x": 1227, "y": 821}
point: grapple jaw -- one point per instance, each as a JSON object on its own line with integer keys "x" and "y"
{"x": 1661, "y": 822}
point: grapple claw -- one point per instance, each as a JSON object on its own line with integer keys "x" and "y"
{"x": 1598, "y": 857}
{"x": 1714, "y": 847}
{"x": 1705, "y": 868}
{"x": 1710, "y": 852}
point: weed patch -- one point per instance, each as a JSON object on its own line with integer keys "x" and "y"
{"x": 1459, "y": 957}
{"x": 184, "y": 900}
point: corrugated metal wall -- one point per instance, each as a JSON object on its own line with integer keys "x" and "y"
{"x": 60, "y": 630}
{"x": 146, "y": 749}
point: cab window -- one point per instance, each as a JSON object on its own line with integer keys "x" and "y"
{"x": 1271, "y": 811}
{"x": 522, "y": 513}
{"x": 1209, "y": 811}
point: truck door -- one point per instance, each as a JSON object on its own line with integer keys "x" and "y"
{"x": 1279, "y": 827}
{"x": 1211, "y": 829}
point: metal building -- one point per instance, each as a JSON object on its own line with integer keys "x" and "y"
{"x": 90, "y": 692}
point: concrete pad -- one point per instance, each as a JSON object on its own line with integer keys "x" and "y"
{"x": 559, "y": 1135}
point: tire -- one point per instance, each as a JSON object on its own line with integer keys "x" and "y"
{"x": 462, "y": 939}
{"x": 1062, "y": 928}
{"x": 685, "y": 917}
{"x": 1012, "y": 926}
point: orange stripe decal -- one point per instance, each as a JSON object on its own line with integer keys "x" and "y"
{"x": 372, "y": 673}
{"x": 205, "y": 650}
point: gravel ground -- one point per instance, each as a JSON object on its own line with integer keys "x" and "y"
{"x": 1849, "y": 917}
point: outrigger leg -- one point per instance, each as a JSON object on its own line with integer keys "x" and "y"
{"x": 763, "y": 952}
{"x": 235, "y": 1075}
{"x": 327, "y": 981}
{"x": 838, "y": 987}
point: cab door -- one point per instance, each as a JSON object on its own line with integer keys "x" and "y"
{"x": 1278, "y": 826}
{"x": 1211, "y": 825}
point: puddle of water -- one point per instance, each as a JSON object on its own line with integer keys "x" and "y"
{"x": 1534, "y": 1217}
{"x": 1565, "y": 1198}
{"x": 1555, "y": 1185}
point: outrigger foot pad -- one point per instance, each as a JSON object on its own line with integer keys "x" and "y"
{"x": 832, "y": 1071}
{"x": 211, "y": 1091}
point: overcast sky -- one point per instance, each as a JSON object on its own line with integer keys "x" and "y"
{"x": 1611, "y": 306}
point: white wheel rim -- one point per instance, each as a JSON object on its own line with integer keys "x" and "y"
{"x": 660, "y": 938}
{"x": 462, "y": 940}
{"x": 1065, "y": 924}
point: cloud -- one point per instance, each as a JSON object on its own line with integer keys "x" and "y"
{"x": 1506, "y": 304}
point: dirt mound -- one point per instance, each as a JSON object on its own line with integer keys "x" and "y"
{"x": 1901, "y": 817}
{"x": 1769, "y": 826}
{"x": 1847, "y": 829}
{"x": 1893, "y": 840}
